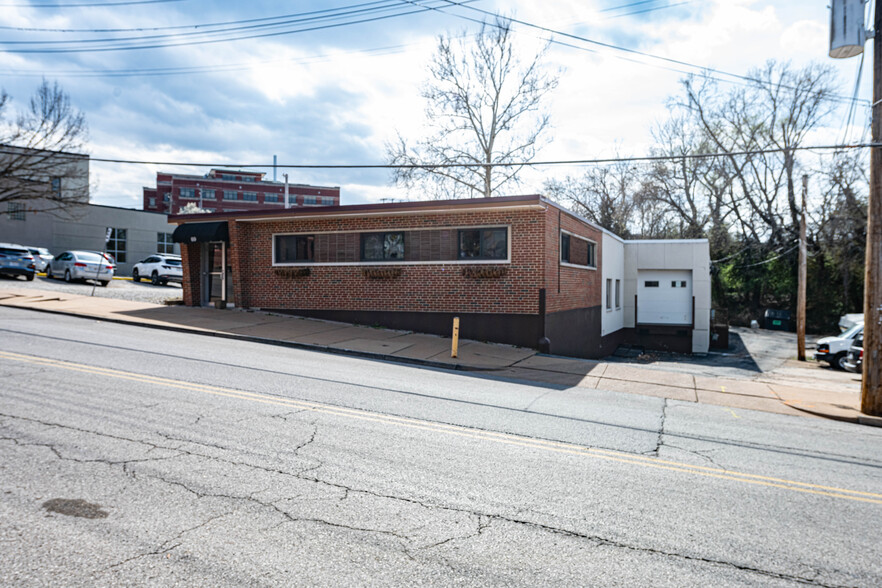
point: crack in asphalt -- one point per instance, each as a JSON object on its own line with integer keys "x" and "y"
{"x": 484, "y": 519}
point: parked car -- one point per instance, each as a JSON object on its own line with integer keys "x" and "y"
{"x": 833, "y": 350}
{"x": 161, "y": 268}
{"x": 16, "y": 260}
{"x": 81, "y": 265}
{"x": 847, "y": 321}
{"x": 855, "y": 359}
{"x": 42, "y": 257}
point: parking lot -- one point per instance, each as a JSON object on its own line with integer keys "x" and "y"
{"x": 120, "y": 288}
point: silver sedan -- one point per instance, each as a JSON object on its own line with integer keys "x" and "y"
{"x": 81, "y": 265}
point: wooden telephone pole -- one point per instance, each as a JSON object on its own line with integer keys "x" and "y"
{"x": 801, "y": 279}
{"x": 871, "y": 383}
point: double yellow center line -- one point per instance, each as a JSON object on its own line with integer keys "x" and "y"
{"x": 504, "y": 438}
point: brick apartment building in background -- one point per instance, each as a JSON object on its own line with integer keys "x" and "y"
{"x": 224, "y": 190}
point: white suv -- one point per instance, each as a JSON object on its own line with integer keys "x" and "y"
{"x": 160, "y": 268}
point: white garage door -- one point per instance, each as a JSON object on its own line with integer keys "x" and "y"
{"x": 664, "y": 297}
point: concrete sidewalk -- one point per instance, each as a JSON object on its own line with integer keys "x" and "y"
{"x": 795, "y": 394}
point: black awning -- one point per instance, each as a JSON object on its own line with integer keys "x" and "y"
{"x": 201, "y": 232}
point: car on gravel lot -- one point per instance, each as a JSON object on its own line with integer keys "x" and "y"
{"x": 833, "y": 350}
{"x": 855, "y": 359}
{"x": 16, "y": 260}
{"x": 160, "y": 269}
{"x": 81, "y": 265}
{"x": 42, "y": 257}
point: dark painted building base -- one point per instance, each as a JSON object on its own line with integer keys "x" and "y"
{"x": 523, "y": 330}
{"x": 673, "y": 338}
{"x": 575, "y": 333}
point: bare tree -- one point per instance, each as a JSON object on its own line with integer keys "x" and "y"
{"x": 759, "y": 129}
{"x": 41, "y": 150}
{"x": 483, "y": 108}
{"x": 605, "y": 195}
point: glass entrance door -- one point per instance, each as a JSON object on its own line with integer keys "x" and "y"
{"x": 217, "y": 277}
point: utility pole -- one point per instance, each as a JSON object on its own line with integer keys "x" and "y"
{"x": 801, "y": 279}
{"x": 871, "y": 383}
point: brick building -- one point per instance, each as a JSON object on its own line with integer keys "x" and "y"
{"x": 223, "y": 190}
{"x": 519, "y": 270}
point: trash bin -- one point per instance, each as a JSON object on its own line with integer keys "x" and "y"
{"x": 777, "y": 320}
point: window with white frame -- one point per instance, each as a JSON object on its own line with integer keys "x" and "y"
{"x": 577, "y": 251}
{"x": 231, "y": 195}
{"x": 116, "y": 245}
{"x": 484, "y": 243}
{"x": 164, "y": 243}
{"x": 188, "y": 192}
{"x": 208, "y": 194}
{"x": 294, "y": 248}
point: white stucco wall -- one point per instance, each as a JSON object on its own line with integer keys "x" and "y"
{"x": 612, "y": 269}
{"x": 691, "y": 255}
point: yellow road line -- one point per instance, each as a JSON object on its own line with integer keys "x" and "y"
{"x": 461, "y": 431}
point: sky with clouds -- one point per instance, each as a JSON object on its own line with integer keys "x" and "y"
{"x": 331, "y": 82}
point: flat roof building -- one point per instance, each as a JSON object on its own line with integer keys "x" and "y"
{"x": 230, "y": 190}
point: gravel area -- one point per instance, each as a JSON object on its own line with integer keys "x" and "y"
{"x": 118, "y": 288}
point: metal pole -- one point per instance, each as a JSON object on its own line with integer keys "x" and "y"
{"x": 871, "y": 383}
{"x": 287, "y": 204}
{"x": 800, "y": 292}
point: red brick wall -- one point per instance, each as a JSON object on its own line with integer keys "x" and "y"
{"x": 420, "y": 288}
{"x": 577, "y": 287}
{"x": 192, "y": 263}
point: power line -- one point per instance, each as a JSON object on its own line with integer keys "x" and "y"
{"x": 159, "y": 45}
{"x": 651, "y": 9}
{"x": 601, "y": 161}
{"x": 90, "y": 4}
{"x": 678, "y": 62}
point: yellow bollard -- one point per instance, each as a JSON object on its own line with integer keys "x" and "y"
{"x": 454, "y": 345}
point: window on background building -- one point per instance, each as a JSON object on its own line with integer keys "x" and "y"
{"x": 483, "y": 243}
{"x": 231, "y": 195}
{"x": 249, "y": 196}
{"x": 164, "y": 243}
{"x": 609, "y": 294}
{"x": 151, "y": 202}
{"x": 382, "y": 247}
{"x": 116, "y": 246}
{"x": 294, "y": 248}
{"x": 55, "y": 187}
{"x": 618, "y": 293}
{"x": 16, "y": 210}
{"x": 247, "y": 178}
{"x": 327, "y": 201}
{"x": 166, "y": 197}
{"x": 208, "y": 194}
{"x": 577, "y": 251}
{"x": 308, "y": 200}
{"x": 188, "y": 193}
{"x": 650, "y": 284}
{"x": 227, "y": 177}
{"x": 267, "y": 197}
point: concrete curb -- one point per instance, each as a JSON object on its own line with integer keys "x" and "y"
{"x": 858, "y": 419}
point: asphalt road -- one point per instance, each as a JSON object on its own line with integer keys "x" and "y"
{"x": 140, "y": 457}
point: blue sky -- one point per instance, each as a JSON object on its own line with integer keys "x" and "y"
{"x": 335, "y": 96}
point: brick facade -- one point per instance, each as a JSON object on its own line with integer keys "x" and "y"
{"x": 499, "y": 300}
